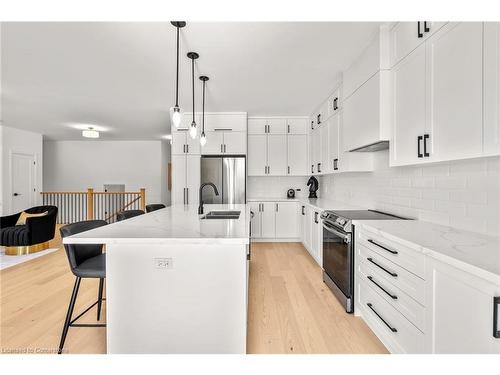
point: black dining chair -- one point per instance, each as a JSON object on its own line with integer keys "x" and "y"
{"x": 85, "y": 261}
{"x": 124, "y": 215}
{"x": 154, "y": 207}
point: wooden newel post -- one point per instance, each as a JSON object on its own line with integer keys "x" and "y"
{"x": 143, "y": 199}
{"x": 90, "y": 204}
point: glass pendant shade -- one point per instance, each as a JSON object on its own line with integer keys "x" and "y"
{"x": 176, "y": 116}
{"x": 203, "y": 139}
{"x": 192, "y": 130}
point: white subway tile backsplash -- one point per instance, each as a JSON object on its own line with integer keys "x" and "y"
{"x": 468, "y": 196}
{"x": 450, "y": 182}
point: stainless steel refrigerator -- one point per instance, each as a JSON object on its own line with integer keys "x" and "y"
{"x": 228, "y": 174}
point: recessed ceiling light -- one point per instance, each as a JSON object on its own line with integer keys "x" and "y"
{"x": 168, "y": 136}
{"x": 90, "y": 133}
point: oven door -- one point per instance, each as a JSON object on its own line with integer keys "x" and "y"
{"x": 337, "y": 257}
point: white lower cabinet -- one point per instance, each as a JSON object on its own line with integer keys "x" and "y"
{"x": 417, "y": 304}
{"x": 312, "y": 232}
{"x": 256, "y": 222}
{"x": 287, "y": 220}
{"x": 268, "y": 220}
{"x": 275, "y": 220}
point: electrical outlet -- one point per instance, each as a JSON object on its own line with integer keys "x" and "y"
{"x": 163, "y": 263}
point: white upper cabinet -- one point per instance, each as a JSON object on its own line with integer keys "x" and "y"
{"x": 215, "y": 143}
{"x": 257, "y": 155}
{"x": 231, "y": 121}
{"x": 406, "y": 36}
{"x": 182, "y": 143}
{"x": 257, "y": 126}
{"x": 276, "y": 126}
{"x": 333, "y": 143}
{"x": 268, "y": 125}
{"x": 235, "y": 143}
{"x": 297, "y": 155}
{"x": 491, "y": 136}
{"x": 276, "y": 155}
{"x": 408, "y": 109}
{"x": 187, "y": 119}
{"x": 323, "y": 166}
{"x": 454, "y": 65}
{"x": 296, "y": 125}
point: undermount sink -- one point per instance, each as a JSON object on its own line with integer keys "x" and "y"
{"x": 222, "y": 215}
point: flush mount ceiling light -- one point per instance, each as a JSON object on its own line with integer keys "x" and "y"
{"x": 192, "y": 129}
{"x": 203, "y": 138}
{"x": 176, "y": 111}
{"x": 90, "y": 133}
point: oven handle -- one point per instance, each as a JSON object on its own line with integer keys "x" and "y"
{"x": 345, "y": 236}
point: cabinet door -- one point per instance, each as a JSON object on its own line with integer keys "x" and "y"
{"x": 334, "y": 103}
{"x": 257, "y": 155}
{"x": 324, "y": 131}
{"x": 287, "y": 220}
{"x": 302, "y": 223}
{"x": 491, "y": 136}
{"x": 315, "y": 148}
{"x": 318, "y": 233}
{"x": 308, "y": 221}
{"x": 179, "y": 172}
{"x": 315, "y": 243}
{"x": 235, "y": 143}
{"x": 460, "y": 311}
{"x": 454, "y": 91}
{"x": 297, "y": 126}
{"x": 256, "y": 220}
{"x": 276, "y": 125}
{"x": 192, "y": 178}
{"x": 268, "y": 220}
{"x": 276, "y": 155}
{"x": 408, "y": 113}
{"x": 257, "y": 125}
{"x": 226, "y": 122}
{"x": 297, "y": 155}
{"x": 333, "y": 143}
{"x": 214, "y": 145}
{"x": 179, "y": 142}
{"x": 193, "y": 145}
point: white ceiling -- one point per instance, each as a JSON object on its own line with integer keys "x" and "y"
{"x": 122, "y": 75}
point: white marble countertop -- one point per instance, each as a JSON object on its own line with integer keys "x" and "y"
{"x": 472, "y": 252}
{"x": 173, "y": 224}
{"x": 320, "y": 203}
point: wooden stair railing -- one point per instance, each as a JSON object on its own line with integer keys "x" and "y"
{"x": 90, "y": 205}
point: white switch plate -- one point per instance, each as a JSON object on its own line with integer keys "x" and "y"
{"x": 164, "y": 263}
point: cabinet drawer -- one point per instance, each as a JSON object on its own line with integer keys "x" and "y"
{"x": 390, "y": 326}
{"x": 405, "y": 281}
{"x": 401, "y": 255}
{"x": 407, "y": 306}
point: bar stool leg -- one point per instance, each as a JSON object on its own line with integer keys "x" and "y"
{"x": 71, "y": 307}
{"x": 99, "y": 298}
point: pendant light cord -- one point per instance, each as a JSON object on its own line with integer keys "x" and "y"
{"x": 203, "y": 111}
{"x": 192, "y": 75}
{"x": 177, "y": 73}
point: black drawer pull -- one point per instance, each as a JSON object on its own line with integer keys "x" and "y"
{"x": 382, "y": 319}
{"x": 393, "y": 274}
{"x": 426, "y": 137}
{"x": 382, "y": 247}
{"x": 419, "y": 33}
{"x": 496, "y": 309}
{"x": 419, "y": 143}
{"x": 385, "y": 291}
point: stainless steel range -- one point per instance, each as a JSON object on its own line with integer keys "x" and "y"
{"x": 338, "y": 250}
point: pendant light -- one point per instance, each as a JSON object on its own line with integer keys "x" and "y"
{"x": 176, "y": 112}
{"x": 203, "y": 138}
{"x": 192, "y": 129}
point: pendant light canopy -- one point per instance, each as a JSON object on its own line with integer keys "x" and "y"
{"x": 192, "y": 129}
{"x": 176, "y": 112}
{"x": 203, "y": 138}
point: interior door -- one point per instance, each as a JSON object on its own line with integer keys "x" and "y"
{"x": 257, "y": 154}
{"x": 268, "y": 218}
{"x": 179, "y": 179}
{"x": 408, "y": 84}
{"x": 193, "y": 178}
{"x": 454, "y": 91}
{"x": 276, "y": 154}
{"x": 23, "y": 182}
{"x": 297, "y": 155}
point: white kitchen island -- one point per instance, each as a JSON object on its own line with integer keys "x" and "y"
{"x": 175, "y": 283}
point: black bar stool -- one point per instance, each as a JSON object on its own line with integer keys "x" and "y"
{"x": 85, "y": 261}
{"x": 124, "y": 215}
{"x": 154, "y": 207}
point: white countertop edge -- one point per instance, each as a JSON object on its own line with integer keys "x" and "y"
{"x": 158, "y": 241}
{"x": 480, "y": 272}
{"x": 318, "y": 203}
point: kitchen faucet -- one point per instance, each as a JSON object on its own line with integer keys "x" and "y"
{"x": 200, "y": 207}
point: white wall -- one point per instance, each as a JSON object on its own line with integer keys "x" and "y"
{"x": 462, "y": 194}
{"x": 276, "y": 187}
{"x": 19, "y": 141}
{"x": 78, "y": 165}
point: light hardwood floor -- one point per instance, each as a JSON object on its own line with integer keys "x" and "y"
{"x": 290, "y": 309}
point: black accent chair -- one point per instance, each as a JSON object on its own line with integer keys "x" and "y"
{"x": 37, "y": 230}
{"x": 154, "y": 207}
{"x": 85, "y": 261}
{"x": 124, "y": 215}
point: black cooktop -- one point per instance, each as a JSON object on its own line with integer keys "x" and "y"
{"x": 366, "y": 215}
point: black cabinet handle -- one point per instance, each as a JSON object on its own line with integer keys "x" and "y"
{"x": 316, "y": 217}
{"x": 380, "y": 286}
{"x": 288, "y": 169}
{"x": 419, "y": 141}
{"x": 312, "y": 168}
{"x": 335, "y": 164}
{"x": 335, "y": 105}
{"x": 496, "y": 318}
{"x": 426, "y": 137}
{"x": 382, "y": 247}
{"x": 393, "y": 274}
{"x": 303, "y": 207}
{"x": 319, "y": 167}
{"x": 16, "y": 194}
{"x": 312, "y": 125}
{"x": 288, "y": 128}
{"x": 319, "y": 119}
{"x": 382, "y": 319}
{"x": 420, "y": 34}
{"x": 426, "y": 28}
